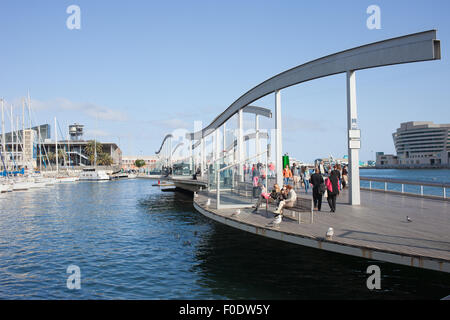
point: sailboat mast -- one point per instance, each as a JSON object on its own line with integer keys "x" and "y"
{"x": 29, "y": 110}
{"x": 95, "y": 143}
{"x": 23, "y": 131}
{"x": 3, "y": 130}
{"x": 12, "y": 136}
{"x": 56, "y": 147}
{"x": 95, "y": 151}
{"x": 18, "y": 141}
{"x": 40, "y": 148}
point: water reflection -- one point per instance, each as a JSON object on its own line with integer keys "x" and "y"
{"x": 133, "y": 241}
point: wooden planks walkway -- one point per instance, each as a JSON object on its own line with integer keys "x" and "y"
{"x": 377, "y": 229}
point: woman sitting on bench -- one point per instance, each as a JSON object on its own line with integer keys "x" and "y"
{"x": 289, "y": 202}
{"x": 273, "y": 196}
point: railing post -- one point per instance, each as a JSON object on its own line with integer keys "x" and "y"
{"x": 403, "y": 188}
{"x": 370, "y": 185}
{"x": 385, "y": 186}
{"x": 421, "y": 190}
{"x": 218, "y": 191}
{"x": 445, "y": 196}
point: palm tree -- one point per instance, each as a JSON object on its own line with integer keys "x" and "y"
{"x": 104, "y": 159}
{"x": 51, "y": 156}
{"x": 90, "y": 148}
{"x": 62, "y": 156}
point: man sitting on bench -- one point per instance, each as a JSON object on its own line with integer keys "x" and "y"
{"x": 289, "y": 202}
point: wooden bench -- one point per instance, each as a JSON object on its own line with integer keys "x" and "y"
{"x": 302, "y": 204}
{"x": 244, "y": 186}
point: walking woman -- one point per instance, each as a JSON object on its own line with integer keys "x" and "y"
{"x": 306, "y": 177}
{"x": 316, "y": 180}
{"x": 333, "y": 188}
{"x": 287, "y": 174}
{"x": 344, "y": 177}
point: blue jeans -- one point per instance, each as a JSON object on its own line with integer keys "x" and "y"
{"x": 306, "y": 185}
{"x": 286, "y": 181}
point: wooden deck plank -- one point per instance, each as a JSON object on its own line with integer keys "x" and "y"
{"x": 378, "y": 224}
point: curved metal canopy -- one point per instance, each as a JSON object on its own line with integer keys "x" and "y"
{"x": 247, "y": 137}
{"x": 176, "y": 147}
{"x": 263, "y": 135}
{"x": 416, "y": 47}
{"x": 220, "y": 120}
{"x": 165, "y": 138}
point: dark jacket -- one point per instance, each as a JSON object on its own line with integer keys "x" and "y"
{"x": 334, "y": 178}
{"x": 316, "y": 179}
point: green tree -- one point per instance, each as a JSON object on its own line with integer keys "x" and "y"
{"x": 62, "y": 156}
{"x": 90, "y": 148}
{"x": 51, "y": 156}
{"x": 139, "y": 163}
{"x": 104, "y": 159}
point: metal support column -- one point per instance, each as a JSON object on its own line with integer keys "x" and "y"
{"x": 353, "y": 140}
{"x": 278, "y": 139}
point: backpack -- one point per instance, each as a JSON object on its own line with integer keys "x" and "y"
{"x": 322, "y": 188}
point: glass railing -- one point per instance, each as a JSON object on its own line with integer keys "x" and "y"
{"x": 238, "y": 185}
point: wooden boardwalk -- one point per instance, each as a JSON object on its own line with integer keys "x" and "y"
{"x": 377, "y": 229}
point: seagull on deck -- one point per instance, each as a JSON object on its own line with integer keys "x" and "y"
{"x": 408, "y": 219}
{"x": 236, "y": 213}
{"x": 330, "y": 233}
{"x": 277, "y": 220}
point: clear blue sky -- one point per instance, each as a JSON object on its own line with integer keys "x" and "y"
{"x": 147, "y": 67}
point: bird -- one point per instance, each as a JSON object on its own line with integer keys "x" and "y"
{"x": 277, "y": 219}
{"x": 330, "y": 233}
{"x": 408, "y": 219}
{"x": 236, "y": 213}
{"x": 208, "y": 203}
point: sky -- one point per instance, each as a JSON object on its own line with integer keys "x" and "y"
{"x": 137, "y": 70}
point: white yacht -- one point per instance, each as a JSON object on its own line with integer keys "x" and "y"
{"x": 22, "y": 185}
{"x": 5, "y": 188}
{"x": 66, "y": 179}
{"x": 92, "y": 174}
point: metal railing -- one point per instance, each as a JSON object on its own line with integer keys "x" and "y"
{"x": 407, "y": 187}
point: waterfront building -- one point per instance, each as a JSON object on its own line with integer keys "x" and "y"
{"x": 128, "y": 162}
{"x": 21, "y": 146}
{"x": 419, "y": 144}
{"x": 76, "y": 155}
{"x": 24, "y": 147}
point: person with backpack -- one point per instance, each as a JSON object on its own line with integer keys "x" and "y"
{"x": 333, "y": 188}
{"x": 318, "y": 188}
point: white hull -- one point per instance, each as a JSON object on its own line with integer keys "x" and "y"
{"x": 22, "y": 186}
{"x": 67, "y": 179}
{"x": 94, "y": 175}
{"x": 38, "y": 185}
{"x": 5, "y": 188}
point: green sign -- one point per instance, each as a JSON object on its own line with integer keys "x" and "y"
{"x": 286, "y": 161}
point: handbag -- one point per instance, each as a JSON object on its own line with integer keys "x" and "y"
{"x": 329, "y": 185}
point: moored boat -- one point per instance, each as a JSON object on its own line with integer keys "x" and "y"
{"x": 92, "y": 174}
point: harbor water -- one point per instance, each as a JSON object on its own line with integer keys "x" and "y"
{"x": 435, "y": 176}
{"x": 134, "y": 241}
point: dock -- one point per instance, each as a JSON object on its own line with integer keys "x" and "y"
{"x": 375, "y": 230}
